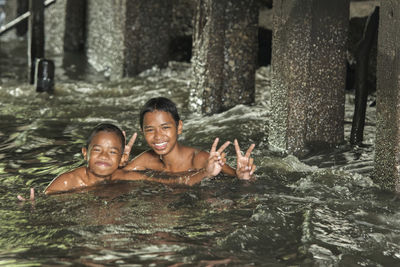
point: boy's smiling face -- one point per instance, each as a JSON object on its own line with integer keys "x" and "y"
{"x": 104, "y": 153}
{"x": 160, "y": 131}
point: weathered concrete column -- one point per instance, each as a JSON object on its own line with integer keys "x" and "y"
{"x": 309, "y": 71}
{"x": 224, "y": 54}
{"x": 126, "y": 37}
{"x": 65, "y": 26}
{"x": 387, "y": 147}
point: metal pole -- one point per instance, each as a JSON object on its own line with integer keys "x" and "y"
{"x": 35, "y": 36}
{"x": 13, "y": 23}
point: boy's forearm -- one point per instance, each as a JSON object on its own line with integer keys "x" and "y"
{"x": 189, "y": 179}
{"x": 226, "y": 169}
{"x": 128, "y": 175}
{"x": 194, "y": 178}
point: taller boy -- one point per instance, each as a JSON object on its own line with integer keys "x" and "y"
{"x": 161, "y": 125}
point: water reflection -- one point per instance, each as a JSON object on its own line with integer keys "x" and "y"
{"x": 322, "y": 210}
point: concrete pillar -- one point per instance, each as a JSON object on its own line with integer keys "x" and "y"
{"x": 105, "y": 38}
{"x": 147, "y": 35}
{"x": 65, "y": 26}
{"x": 125, "y": 37}
{"x": 309, "y": 71}
{"x": 75, "y": 28}
{"x": 387, "y": 147}
{"x": 224, "y": 54}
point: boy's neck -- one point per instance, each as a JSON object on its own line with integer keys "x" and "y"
{"x": 171, "y": 160}
{"x": 93, "y": 178}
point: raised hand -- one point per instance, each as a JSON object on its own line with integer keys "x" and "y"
{"x": 216, "y": 159}
{"x": 127, "y": 149}
{"x": 31, "y": 198}
{"x": 245, "y": 167}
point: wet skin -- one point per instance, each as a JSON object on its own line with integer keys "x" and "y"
{"x": 161, "y": 132}
{"x": 103, "y": 158}
{"x": 104, "y": 154}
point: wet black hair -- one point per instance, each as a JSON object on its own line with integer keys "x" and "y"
{"x": 106, "y": 127}
{"x": 160, "y": 104}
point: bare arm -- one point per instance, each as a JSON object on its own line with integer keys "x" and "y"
{"x": 128, "y": 175}
{"x": 189, "y": 179}
{"x": 208, "y": 168}
{"x": 201, "y": 159}
{"x": 228, "y": 170}
{"x": 201, "y": 162}
{"x": 142, "y": 162}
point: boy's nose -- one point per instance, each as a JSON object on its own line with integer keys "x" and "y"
{"x": 157, "y": 134}
{"x": 104, "y": 154}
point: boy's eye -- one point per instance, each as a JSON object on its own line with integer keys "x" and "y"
{"x": 148, "y": 130}
{"x": 114, "y": 152}
{"x": 166, "y": 127}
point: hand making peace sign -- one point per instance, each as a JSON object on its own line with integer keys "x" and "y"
{"x": 127, "y": 149}
{"x": 31, "y": 197}
{"x": 216, "y": 159}
{"x": 245, "y": 167}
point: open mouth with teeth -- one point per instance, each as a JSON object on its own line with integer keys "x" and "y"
{"x": 160, "y": 146}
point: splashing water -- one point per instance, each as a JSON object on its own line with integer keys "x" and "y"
{"x": 321, "y": 210}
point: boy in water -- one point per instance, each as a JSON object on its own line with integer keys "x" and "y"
{"x": 161, "y": 125}
{"x": 104, "y": 154}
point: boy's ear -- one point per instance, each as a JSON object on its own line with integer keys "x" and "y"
{"x": 180, "y": 127}
{"x": 84, "y": 153}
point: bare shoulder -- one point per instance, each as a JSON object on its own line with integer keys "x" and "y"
{"x": 200, "y": 158}
{"x": 67, "y": 181}
{"x": 144, "y": 161}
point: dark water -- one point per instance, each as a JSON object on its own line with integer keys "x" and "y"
{"x": 323, "y": 210}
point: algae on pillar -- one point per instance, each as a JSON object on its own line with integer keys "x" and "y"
{"x": 224, "y": 54}
{"x": 65, "y": 26}
{"x": 387, "y": 147}
{"x": 125, "y": 37}
{"x": 309, "y": 71}
{"x": 147, "y": 35}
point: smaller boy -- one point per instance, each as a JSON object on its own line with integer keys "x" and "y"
{"x": 161, "y": 126}
{"x": 103, "y": 153}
